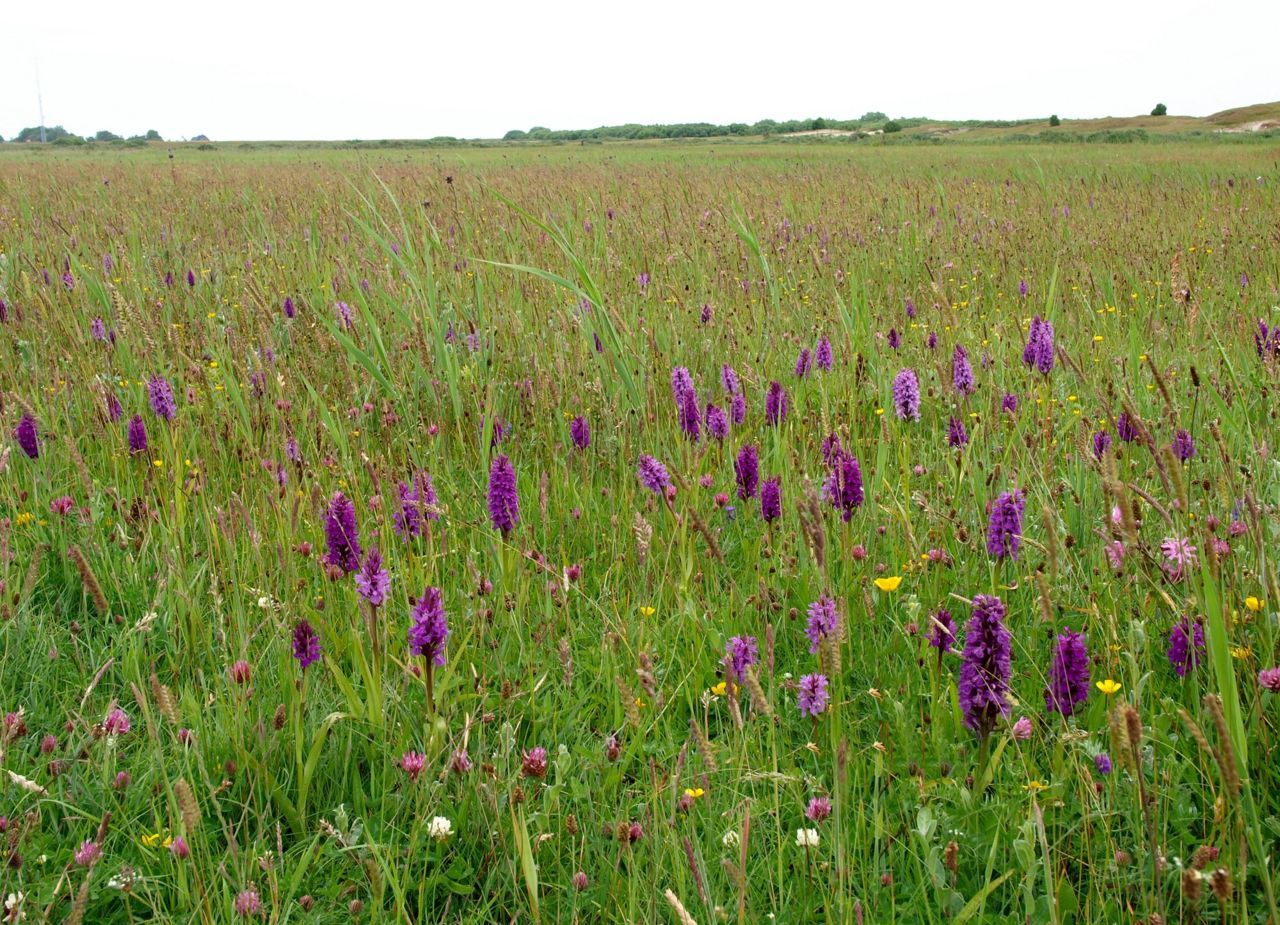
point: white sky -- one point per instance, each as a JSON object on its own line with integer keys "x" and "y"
{"x": 385, "y": 69}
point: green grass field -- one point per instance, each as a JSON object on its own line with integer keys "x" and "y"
{"x": 349, "y": 323}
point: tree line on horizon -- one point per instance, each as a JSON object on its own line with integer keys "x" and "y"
{"x": 56, "y": 134}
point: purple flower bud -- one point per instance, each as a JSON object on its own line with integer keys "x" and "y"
{"x": 504, "y": 502}
{"x": 906, "y": 395}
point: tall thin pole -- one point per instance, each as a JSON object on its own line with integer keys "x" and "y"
{"x": 40, "y": 102}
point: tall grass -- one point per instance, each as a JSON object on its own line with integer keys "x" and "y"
{"x": 493, "y": 296}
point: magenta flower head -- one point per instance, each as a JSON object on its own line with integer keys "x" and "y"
{"x": 341, "y": 534}
{"x": 1101, "y": 443}
{"x": 191, "y": 277}
{"x": 942, "y": 632}
{"x": 843, "y": 488}
{"x": 895, "y": 339}
{"x": 717, "y": 422}
{"x": 1184, "y": 448}
{"x": 776, "y": 404}
{"x": 1126, "y": 429}
{"x": 1038, "y": 354}
{"x": 1269, "y": 680}
{"x": 824, "y": 621}
{"x": 984, "y": 676}
{"x": 1004, "y": 529}
{"x": 429, "y": 629}
{"x": 681, "y": 382}
{"x": 746, "y": 471}
{"x": 247, "y": 903}
{"x": 160, "y": 396}
{"x": 961, "y": 371}
{"x": 88, "y": 853}
{"x": 738, "y": 408}
{"x": 691, "y": 416}
{"x": 114, "y": 411}
{"x": 740, "y": 653}
{"x": 306, "y": 645}
{"x": 534, "y": 763}
{"x": 813, "y": 698}
{"x": 831, "y": 449}
{"x": 957, "y": 435}
{"x": 906, "y": 395}
{"x": 771, "y": 499}
{"x": 729, "y": 379}
{"x": 823, "y": 355}
{"x": 289, "y": 310}
{"x": 117, "y": 722}
{"x": 653, "y": 475}
{"x": 136, "y": 431}
{"x": 819, "y": 809}
{"x": 27, "y": 433}
{"x": 413, "y": 763}
{"x": 504, "y": 502}
{"x": 373, "y": 581}
{"x": 1186, "y": 646}
{"x": 1068, "y": 675}
{"x": 804, "y": 363}
{"x": 580, "y": 432}
{"x": 1009, "y": 403}
{"x": 418, "y": 503}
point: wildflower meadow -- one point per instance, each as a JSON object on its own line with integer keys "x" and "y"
{"x": 640, "y": 533}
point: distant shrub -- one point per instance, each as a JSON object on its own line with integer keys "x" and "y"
{"x": 1160, "y": 110}
{"x": 890, "y": 127}
{"x": 1054, "y": 121}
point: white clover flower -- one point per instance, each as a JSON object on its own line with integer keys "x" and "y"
{"x": 807, "y": 838}
{"x": 439, "y": 828}
{"x": 13, "y": 907}
{"x": 730, "y": 838}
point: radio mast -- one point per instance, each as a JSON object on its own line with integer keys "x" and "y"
{"x": 40, "y": 102}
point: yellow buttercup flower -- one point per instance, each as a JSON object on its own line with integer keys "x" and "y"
{"x": 889, "y": 584}
{"x": 1109, "y": 686}
{"x": 646, "y": 611}
{"x": 150, "y": 841}
{"x": 1254, "y": 604}
{"x": 718, "y": 690}
{"x": 1035, "y": 786}
{"x": 694, "y": 792}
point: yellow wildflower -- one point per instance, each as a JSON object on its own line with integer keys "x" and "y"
{"x": 889, "y": 584}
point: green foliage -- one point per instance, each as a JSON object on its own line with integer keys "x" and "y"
{"x": 1054, "y": 121}
{"x": 891, "y": 126}
{"x": 52, "y": 133}
{"x": 1160, "y": 110}
{"x": 478, "y": 282}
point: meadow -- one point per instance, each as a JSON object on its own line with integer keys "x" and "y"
{"x": 640, "y": 533}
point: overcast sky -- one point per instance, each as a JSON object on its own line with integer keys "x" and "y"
{"x": 382, "y": 69}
